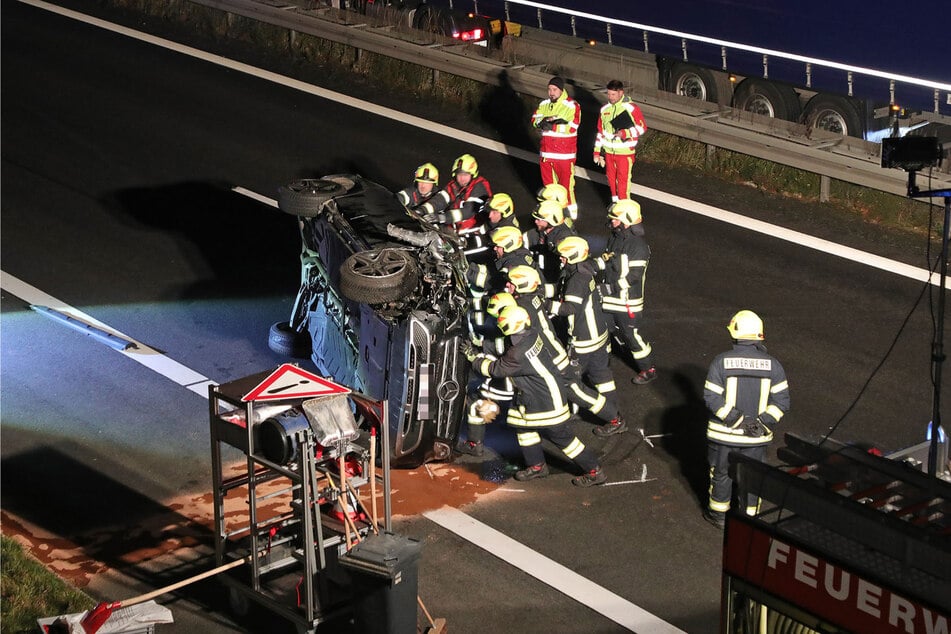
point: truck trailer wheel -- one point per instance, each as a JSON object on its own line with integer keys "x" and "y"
{"x": 833, "y": 114}
{"x": 287, "y": 342}
{"x": 306, "y": 197}
{"x": 692, "y": 81}
{"x": 378, "y": 276}
{"x": 768, "y": 99}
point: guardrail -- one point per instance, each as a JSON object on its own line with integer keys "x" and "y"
{"x": 828, "y": 155}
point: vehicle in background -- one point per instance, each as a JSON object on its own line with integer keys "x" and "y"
{"x": 381, "y": 308}
{"x": 799, "y": 62}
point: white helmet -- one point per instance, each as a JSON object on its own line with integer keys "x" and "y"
{"x": 746, "y": 325}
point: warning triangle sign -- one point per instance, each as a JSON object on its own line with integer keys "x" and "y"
{"x": 289, "y": 381}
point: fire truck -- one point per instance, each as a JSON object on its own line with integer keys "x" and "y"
{"x": 846, "y": 540}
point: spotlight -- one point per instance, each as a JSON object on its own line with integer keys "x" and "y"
{"x": 911, "y": 153}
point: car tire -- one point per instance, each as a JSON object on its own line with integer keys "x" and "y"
{"x": 287, "y": 342}
{"x": 306, "y": 197}
{"x": 378, "y": 276}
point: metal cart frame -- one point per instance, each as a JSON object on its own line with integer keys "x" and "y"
{"x": 303, "y": 543}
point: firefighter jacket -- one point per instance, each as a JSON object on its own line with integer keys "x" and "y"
{"x": 559, "y": 140}
{"x": 411, "y": 198}
{"x": 743, "y": 385}
{"x": 460, "y": 205}
{"x": 539, "y": 396}
{"x": 578, "y": 299}
{"x": 619, "y": 141}
{"x": 519, "y": 257}
{"x": 535, "y": 305}
{"x": 625, "y": 271}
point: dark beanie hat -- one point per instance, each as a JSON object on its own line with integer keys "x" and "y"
{"x": 557, "y": 81}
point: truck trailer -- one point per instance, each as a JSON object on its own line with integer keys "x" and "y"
{"x": 855, "y": 68}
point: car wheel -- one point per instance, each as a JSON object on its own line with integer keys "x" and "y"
{"x": 287, "y": 342}
{"x": 378, "y": 276}
{"x": 306, "y": 197}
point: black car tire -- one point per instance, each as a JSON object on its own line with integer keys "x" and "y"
{"x": 378, "y": 276}
{"x": 287, "y": 342}
{"x": 306, "y": 197}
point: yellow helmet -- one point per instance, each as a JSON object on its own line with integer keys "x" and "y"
{"x": 627, "y": 211}
{"x": 509, "y": 238}
{"x": 513, "y": 319}
{"x": 549, "y": 211}
{"x": 427, "y": 173}
{"x": 524, "y": 278}
{"x": 554, "y": 191}
{"x": 498, "y": 302}
{"x": 466, "y": 163}
{"x": 746, "y": 325}
{"x": 503, "y": 204}
{"x": 574, "y": 249}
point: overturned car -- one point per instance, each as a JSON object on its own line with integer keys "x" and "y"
{"x": 381, "y": 308}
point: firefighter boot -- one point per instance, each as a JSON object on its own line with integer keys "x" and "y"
{"x": 645, "y": 376}
{"x": 590, "y": 478}
{"x": 714, "y": 518}
{"x": 532, "y": 471}
{"x": 472, "y": 448}
{"x": 616, "y": 426}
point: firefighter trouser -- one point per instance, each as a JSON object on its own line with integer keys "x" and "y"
{"x": 530, "y": 440}
{"x": 585, "y": 397}
{"x": 629, "y": 331}
{"x": 619, "y": 169}
{"x": 562, "y": 172}
{"x": 721, "y": 485}
{"x": 595, "y": 367}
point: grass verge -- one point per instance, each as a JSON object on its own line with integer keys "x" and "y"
{"x": 28, "y": 591}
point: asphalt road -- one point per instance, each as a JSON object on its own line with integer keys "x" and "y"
{"x": 118, "y": 161}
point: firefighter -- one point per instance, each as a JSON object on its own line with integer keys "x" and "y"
{"x": 550, "y": 229}
{"x": 558, "y": 118}
{"x": 425, "y": 180}
{"x": 579, "y": 301}
{"x": 747, "y": 394}
{"x": 459, "y": 204}
{"x": 509, "y": 249}
{"x": 539, "y": 407}
{"x": 524, "y": 284}
{"x": 620, "y": 125}
{"x": 501, "y": 212}
{"x": 625, "y": 263}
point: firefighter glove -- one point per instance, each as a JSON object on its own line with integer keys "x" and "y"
{"x": 754, "y": 428}
{"x": 468, "y": 350}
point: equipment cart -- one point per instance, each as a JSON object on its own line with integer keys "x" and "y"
{"x": 296, "y": 450}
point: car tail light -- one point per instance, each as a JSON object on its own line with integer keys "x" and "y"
{"x": 469, "y": 36}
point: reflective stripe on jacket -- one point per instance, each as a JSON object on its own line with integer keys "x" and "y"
{"x": 623, "y": 141}
{"x": 626, "y": 271}
{"x": 561, "y": 141}
{"x": 743, "y": 384}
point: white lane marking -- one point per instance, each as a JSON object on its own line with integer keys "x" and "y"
{"x": 141, "y": 353}
{"x": 751, "y": 224}
{"x": 563, "y": 579}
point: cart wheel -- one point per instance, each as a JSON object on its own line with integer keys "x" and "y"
{"x": 238, "y": 602}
